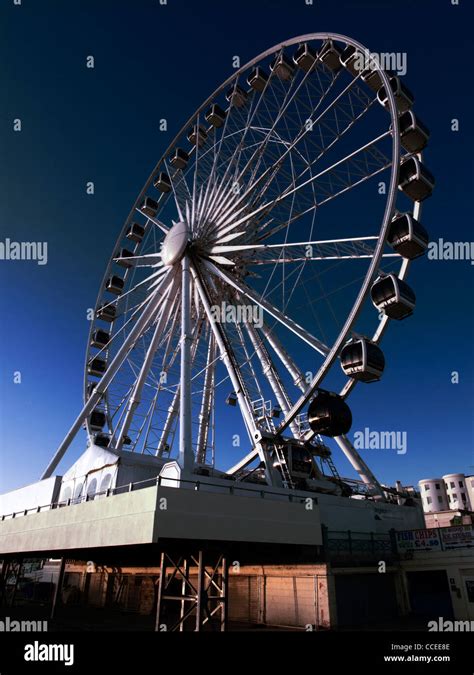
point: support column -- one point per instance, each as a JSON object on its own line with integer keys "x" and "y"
{"x": 4, "y": 572}
{"x": 186, "y": 455}
{"x": 161, "y": 586}
{"x": 58, "y": 589}
{"x": 17, "y": 579}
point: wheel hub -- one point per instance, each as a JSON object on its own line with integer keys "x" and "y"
{"x": 175, "y": 244}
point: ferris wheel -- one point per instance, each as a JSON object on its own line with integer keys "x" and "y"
{"x": 259, "y": 268}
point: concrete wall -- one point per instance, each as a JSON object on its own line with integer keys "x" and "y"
{"x": 342, "y": 514}
{"x": 120, "y": 520}
{"x": 144, "y": 516}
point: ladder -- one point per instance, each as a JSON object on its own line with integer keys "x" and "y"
{"x": 333, "y": 468}
{"x": 286, "y": 476}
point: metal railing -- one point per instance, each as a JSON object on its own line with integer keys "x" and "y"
{"x": 160, "y": 481}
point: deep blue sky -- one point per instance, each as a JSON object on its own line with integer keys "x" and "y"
{"x": 157, "y": 61}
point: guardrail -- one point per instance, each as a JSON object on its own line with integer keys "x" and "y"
{"x": 232, "y": 489}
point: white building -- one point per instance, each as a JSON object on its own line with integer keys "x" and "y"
{"x": 433, "y": 495}
{"x": 453, "y": 491}
{"x": 456, "y": 489}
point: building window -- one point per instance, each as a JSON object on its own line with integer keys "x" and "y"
{"x": 437, "y": 486}
{"x": 440, "y": 499}
{"x": 463, "y": 496}
{"x": 428, "y": 500}
{"x": 427, "y": 487}
{"x": 91, "y": 488}
{"x": 446, "y": 485}
{"x": 65, "y": 495}
{"x": 449, "y": 498}
{"x": 78, "y": 491}
{"x": 460, "y": 484}
{"x": 105, "y": 484}
{"x": 452, "y": 485}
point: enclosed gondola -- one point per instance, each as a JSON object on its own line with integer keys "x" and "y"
{"x": 393, "y": 296}
{"x": 102, "y": 440}
{"x": 415, "y": 180}
{"x": 352, "y": 59}
{"x": 179, "y": 159}
{"x": 282, "y": 66}
{"x": 99, "y": 338}
{"x": 97, "y": 420}
{"x": 97, "y": 367}
{"x": 121, "y": 257}
{"x": 197, "y": 134}
{"x": 330, "y": 55}
{"x": 232, "y": 399}
{"x": 162, "y": 182}
{"x": 407, "y": 236}
{"x": 414, "y": 134}
{"x": 149, "y": 207}
{"x": 329, "y": 414}
{"x": 258, "y": 79}
{"x": 362, "y": 360}
{"x": 114, "y": 284}
{"x": 403, "y": 96}
{"x": 305, "y": 57}
{"x": 215, "y": 116}
{"x": 106, "y": 312}
{"x": 135, "y": 232}
{"x": 372, "y": 77}
{"x": 237, "y": 96}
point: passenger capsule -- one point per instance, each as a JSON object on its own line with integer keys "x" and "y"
{"x": 407, "y": 236}
{"x": 362, "y": 360}
{"x": 215, "y": 116}
{"x": 106, "y": 313}
{"x": 413, "y": 133}
{"x": 393, "y": 296}
{"x": 237, "y": 96}
{"x": 403, "y": 96}
{"x": 114, "y": 284}
{"x": 329, "y": 414}
{"x": 282, "y": 66}
{"x": 97, "y": 420}
{"x": 305, "y": 56}
{"x": 135, "y": 232}
{"x": 124, "y": 253}
{"x": 372, "y": 77}
{"x": 149, "y": 207}
{"x": 97, "y": 367}
{"x": 258, "y": 79}
{"x": 162, "y": 183}
{"x": 330, "y": 55}
{"x": 99, "y": 338}
{"x": 101, "y": 440}
{"x": 179, "y": 159}
{"x": 415, "y": 180}
{"x": 353, "y": 60}
{"x": 197, "y": 134}
{"x": 232, "y": 399}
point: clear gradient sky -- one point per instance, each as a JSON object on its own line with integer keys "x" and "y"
{"x": 155, "y": 62}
